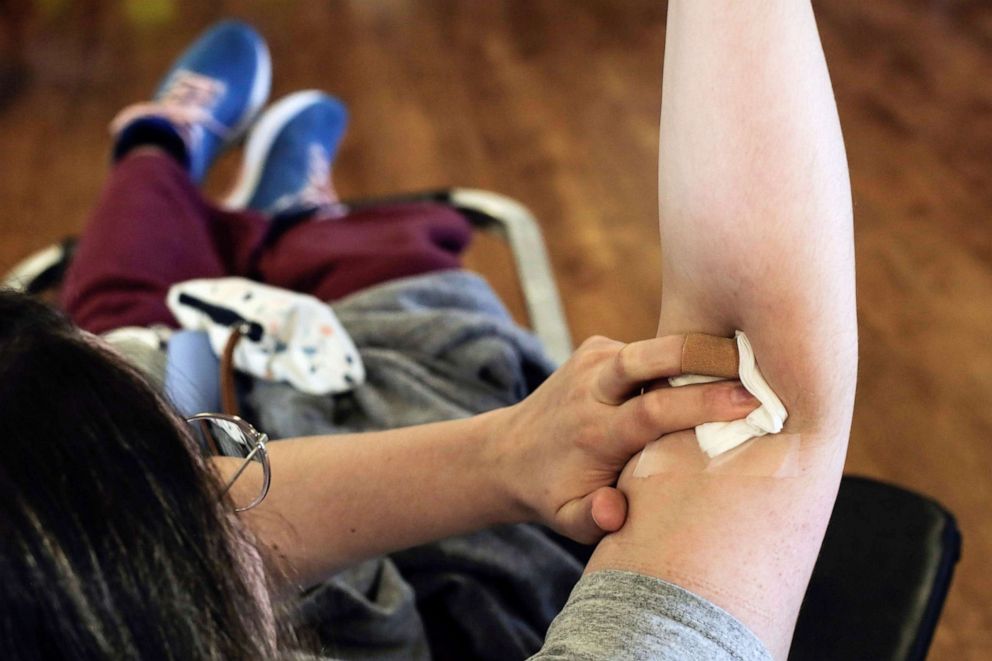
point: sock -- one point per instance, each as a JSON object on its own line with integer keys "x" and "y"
{"x": 155, "y": 131}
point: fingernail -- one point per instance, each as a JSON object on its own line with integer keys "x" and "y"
{"x": 742, "y": 397}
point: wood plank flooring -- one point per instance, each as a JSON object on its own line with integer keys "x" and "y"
{"x": 555, "y": 103}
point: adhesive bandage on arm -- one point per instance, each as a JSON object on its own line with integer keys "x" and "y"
{"x": 709, "y": 355}
{"x": 715, "y": 438}
{"x": 706, "y": 359}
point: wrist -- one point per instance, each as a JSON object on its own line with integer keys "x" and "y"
{"x": 502, "y": 465}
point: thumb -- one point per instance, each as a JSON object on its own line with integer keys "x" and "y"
{"x": 588, "y": 519}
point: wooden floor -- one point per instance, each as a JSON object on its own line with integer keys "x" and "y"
{"x": 556, "y": 103}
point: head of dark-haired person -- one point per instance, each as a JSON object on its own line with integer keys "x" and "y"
{"x": 115, "y": 543}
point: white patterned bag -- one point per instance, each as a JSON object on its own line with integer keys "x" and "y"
{"x": 290, "y": 337}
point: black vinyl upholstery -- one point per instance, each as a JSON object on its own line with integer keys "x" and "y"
{"x": 882, "y": 576}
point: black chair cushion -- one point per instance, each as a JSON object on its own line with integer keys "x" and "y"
{"x": 882, "y": 576}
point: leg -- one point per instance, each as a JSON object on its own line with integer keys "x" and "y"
{"x": 286, "y": 175}
{"x": 151, "y": 229}
{"x": 332, "y": 258}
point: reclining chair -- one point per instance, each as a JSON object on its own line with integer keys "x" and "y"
{"x": 888, "y": 557}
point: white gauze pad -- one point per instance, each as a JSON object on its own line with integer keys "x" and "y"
{"x": 715, "y": 438}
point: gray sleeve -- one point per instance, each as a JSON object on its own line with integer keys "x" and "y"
{"x": 622, "y": 615}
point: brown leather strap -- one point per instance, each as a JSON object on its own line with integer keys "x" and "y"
{"x": 228, "y": 393}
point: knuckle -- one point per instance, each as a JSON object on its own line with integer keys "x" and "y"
{"x": 587, "y": 442}
{"x": 594, "y": 350}
{"x": 651, "y": 410}
{"x": 601, "y": 343}
{"x": 625, "y": 364}
{"x": 628, "y": 357}
{"x": 620, "y": 365}
{"x": 593, "y": 341}
{"x": 715, "y": 398}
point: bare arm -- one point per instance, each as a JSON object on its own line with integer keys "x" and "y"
{"x": 756, "y": 235}
{"x": 552, "y": 458}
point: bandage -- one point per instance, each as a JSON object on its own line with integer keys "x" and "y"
{"x": 717, "y": 359}
{"x": 715, "y": 438}
{"x": 708, "y": 355}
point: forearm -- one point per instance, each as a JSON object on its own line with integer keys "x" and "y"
{"x": 756, "y": 235}
{"x": 336, "y": 500}
{"x": 551, "y": 458}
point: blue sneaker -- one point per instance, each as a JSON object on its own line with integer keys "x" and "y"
{"x": 288, "y": 156}
{"x": 205, "y": 102}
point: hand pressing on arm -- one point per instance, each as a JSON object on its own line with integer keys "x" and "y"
{"x": 567, "y": 443}
{"x": 553, "y": 458}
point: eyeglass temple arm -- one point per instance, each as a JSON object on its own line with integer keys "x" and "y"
{"x": 241, "y": 469}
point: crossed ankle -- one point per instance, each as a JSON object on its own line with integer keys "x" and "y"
{"x": 151, "y": 132}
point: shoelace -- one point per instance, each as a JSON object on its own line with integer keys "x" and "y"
{"x": 186, "y": 103}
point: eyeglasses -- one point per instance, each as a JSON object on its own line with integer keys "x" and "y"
{"x": 230, "y": 436}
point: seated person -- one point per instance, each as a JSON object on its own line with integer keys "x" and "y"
{"x": 122, "y": 539}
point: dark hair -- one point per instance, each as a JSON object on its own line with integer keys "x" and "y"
{"x": 115, "y": 543}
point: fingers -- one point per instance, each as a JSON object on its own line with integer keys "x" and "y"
{"x": 608, "y": 509}
{"x": 638, "y": 363}
{"x": 666, "y": 410}
{"x": 588, "y": 519}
